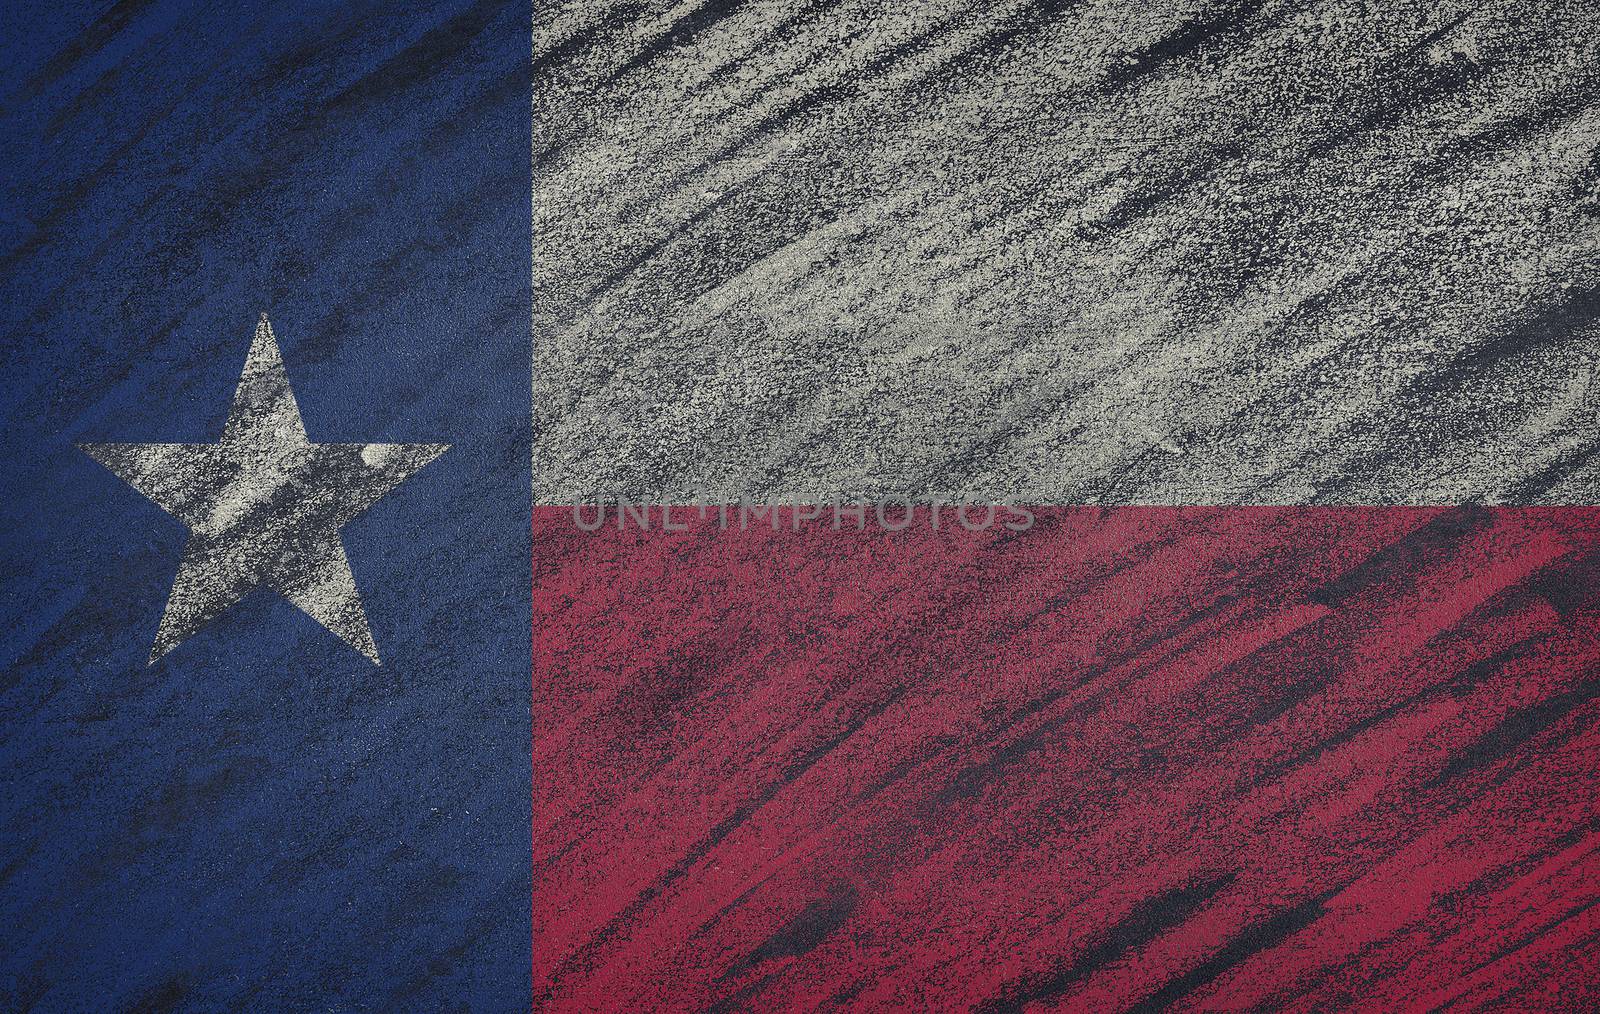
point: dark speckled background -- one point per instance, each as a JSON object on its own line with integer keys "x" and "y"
{"x": 1172, "y": 252}
{"x": 263, "y": 819}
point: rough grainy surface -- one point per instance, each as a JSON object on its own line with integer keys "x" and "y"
{"x": 262, "y": 819}
{"x": 1165, "y": 252}
{"x": 264, "y": 505}
{"x": 1222, "y": 759}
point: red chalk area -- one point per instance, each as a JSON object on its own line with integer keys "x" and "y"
{"x": 1215, "y": 756}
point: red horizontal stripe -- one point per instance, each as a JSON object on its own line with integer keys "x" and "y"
{"x": 1299, "y": 756}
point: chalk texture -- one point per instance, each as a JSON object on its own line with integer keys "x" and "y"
{"x": 1165, "y": 252}
{"x": 264, "y": 505}
{"x": 1130, "y": 759}
{"x": 262, "y": 819}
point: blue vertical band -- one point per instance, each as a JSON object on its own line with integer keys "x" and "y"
{"x": 263, "y": 819}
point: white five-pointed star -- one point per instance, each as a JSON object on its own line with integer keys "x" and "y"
{"x": 264, "y": 506}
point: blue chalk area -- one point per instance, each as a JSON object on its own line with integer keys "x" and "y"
{"x": 263, "y": 820}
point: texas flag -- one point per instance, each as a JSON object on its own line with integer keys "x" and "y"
{"x": 741, "y": 505}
